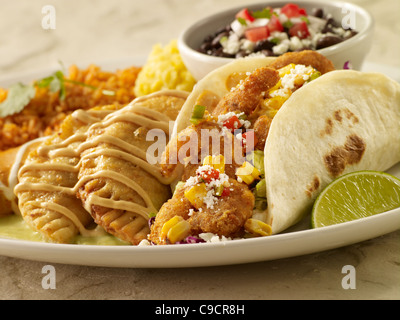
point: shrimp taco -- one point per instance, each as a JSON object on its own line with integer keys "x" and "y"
{"x": 277, "y": 132}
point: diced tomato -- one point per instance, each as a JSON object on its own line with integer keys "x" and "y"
{"x": 250, "y": 139}
{"x": 245, "y": 14}
{"x": 257, "y": 34}
{"x": 292, "y": 10}
{"x": 274, "y": 24}
{"x": 232, "y": 123}
{"x": 226, "y": 192}
{"x": 299, "y": 30}
{"x": 302, "y": 12}
{"x": 209, "y": 175}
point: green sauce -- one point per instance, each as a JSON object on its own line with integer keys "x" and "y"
{"x": 14, "y": 227}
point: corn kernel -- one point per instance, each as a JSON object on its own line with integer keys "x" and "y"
{"x": 276, "y": 87}
{"x": 217, "y": 162}
{"x": 196, "y": 194}
{"x": 179, "y": 231}
{"x": 286, "y": 70}
{"x": 207, "y": 161}
{"x": 257, "y": 227}
{"x": 276, "y": 102}
{"x": 169, "y": 224}
{"x": 248, "y": 173}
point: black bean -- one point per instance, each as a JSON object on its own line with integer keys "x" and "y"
{"x": 263, "y": 45}
{"x": 352, "y": 34}
{"x": 318, "y": 12}
{"x": 205, "y": 46}
{"x": 328, "y": 41}
{"x": 220, "y": 53}
{"x": 268, "y": 53}
{"x": 222, "y": 30}
{"x": 215, "y": 43}
{"x": 241, "y": 54}
{"x": 332, "y": 22}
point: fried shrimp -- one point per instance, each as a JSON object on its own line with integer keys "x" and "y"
{"x": 194, "y": 143}
{"x": 261, "y": 129}
{"x": 306, "y": 57}
{"x": 247, "y": 95}
{"x": 225, "y": 219}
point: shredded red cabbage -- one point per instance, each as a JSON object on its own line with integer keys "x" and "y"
{"x": 151, "y": 221}
{"x": 190, "y": 240}
{"x": 347, "y": 65}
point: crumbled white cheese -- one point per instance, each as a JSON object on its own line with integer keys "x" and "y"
{"x": 247, "y": 45}
{"x": 191, "y": 181}
{"x": 238, "y": 28}
{"x": 339, "y": 31}
{"x": 278, "y": 36}
{"x": 261, "y": 22}
{"x": 295, "y": 44}
{"x": 223, "y": 117}
{"x": 283, "y": 18}
{"x": 213, "y": 238}
{"x": 232, "y": 44}
{"x": 299, "y": 71}
{"x": 282, "y": 47}
{"x": 283, "y": 92}
{"x": 210, "y": 199}
{"x": 316, "y": 24}
{"x": 144, "y": 243}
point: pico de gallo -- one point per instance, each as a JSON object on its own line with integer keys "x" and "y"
{"x": 275, "y": 31}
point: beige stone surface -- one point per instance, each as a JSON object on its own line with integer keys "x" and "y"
{"x": 101, "y": 30}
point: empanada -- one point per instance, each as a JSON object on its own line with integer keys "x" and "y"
{"x": 45, "y": 190}
{"x": 117, "y": 184}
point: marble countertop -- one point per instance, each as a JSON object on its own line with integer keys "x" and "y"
{"x": 101, "y": 30}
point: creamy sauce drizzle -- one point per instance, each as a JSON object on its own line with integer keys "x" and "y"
{"x": 134, "y": 113}
{"x": 14, "y": 227}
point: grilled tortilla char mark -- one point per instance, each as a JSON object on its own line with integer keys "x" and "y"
{"x": 340, "y": 157}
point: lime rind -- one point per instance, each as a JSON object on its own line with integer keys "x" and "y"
{"x": 356, "y": 195}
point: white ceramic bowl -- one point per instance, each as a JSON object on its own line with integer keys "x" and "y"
{"x": 354, "y": 49}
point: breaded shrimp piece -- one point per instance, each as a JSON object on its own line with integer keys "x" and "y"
{"x": 229, "y": 214}
{"x": 226, "y": 218}
{"x": 307, "y": 58}
{"x": 192, "y": 143}
{"x": 261, "y": 129}
{"x": 248, "y": 94}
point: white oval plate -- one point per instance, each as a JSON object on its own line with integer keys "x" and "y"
{"x": 208, "y": 254}
{"x": 300, "y": 240}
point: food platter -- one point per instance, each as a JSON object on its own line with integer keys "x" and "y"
{"x": 298, "y": 240}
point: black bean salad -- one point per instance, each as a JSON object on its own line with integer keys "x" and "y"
{"x": 275, "y": 31}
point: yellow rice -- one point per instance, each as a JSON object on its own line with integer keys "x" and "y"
{"x": 164, "y": 69}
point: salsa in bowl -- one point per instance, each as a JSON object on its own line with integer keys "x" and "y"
{"x": 341, "y": 31}
{"x": 275, "y": 31}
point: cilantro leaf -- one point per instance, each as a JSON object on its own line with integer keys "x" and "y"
{"x": 264, "y": 13}
{"x": 19, "y": 95}
{"x": 242, "y": 21}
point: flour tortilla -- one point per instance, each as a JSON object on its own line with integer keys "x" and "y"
{"x": 342, "y": 122}
{"x": 315, "y": 135}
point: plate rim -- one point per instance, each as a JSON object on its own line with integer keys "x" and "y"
{"x": 175, "y": 256}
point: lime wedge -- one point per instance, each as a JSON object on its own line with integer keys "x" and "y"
{"x": 355, "y": 195}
